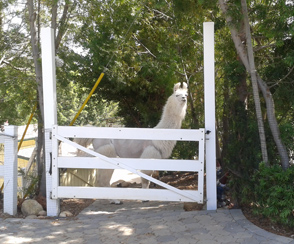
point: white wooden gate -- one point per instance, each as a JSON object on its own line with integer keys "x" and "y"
{"x": 98, "y": 161}
{"x": 54, "y": 191}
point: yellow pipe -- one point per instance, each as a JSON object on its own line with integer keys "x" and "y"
{"x": 24, "y": 133}
{"x": 87, "y": 99}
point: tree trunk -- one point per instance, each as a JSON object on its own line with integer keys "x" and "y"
{"x": 225, "y": 121}
{"x": 38, "y": 72}
{"x": 54, "y": 17}
{"x": 273, "y": 122}
{"x": 252, "y": 72}
{"x": 1, "y": 20}
{"x": 35, "y": 39}
{"x": 241, "y": 50}
{"x": 62, "y": 24}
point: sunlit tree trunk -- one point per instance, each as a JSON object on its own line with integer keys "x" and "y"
{"x": 252, "y": 72}
{"x": 38, "y": 73}
{"x": 244, "y": 56}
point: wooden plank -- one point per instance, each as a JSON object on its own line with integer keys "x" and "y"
{"x": 136, "y": 163}
{"x": 127, "y": 193}
{"x": 131, "y": 133}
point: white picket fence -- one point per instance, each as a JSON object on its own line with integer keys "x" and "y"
{"x": 98, "y": 161}
{"x": 9, "y": 169}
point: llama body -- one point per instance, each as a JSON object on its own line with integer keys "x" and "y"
{"x": 173, "y": 114}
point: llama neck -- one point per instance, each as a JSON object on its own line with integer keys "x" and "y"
{"x": 169, "y": 124}
{"x": 172, "y": 117}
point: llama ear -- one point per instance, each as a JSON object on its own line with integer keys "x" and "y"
{"x": 177, "y": 86}
{"x": 185, "y": 86}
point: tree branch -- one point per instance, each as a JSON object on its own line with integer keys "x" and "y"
{"x": 279, "y": 81}
{"x": 11, "y": 65}
{"x": 63, "y": 23}
{"x": 159, "y": 12}
{"x": 239, "y": 45}
{"x": 144, "y": 46}
{"x": 54, "y": 17}
{"x": 1, "y": 60}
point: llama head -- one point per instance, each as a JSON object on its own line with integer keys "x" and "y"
{"x": 175, "y": 108}
{"x": 181, "y": 92}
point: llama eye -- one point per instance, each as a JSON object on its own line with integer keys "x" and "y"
{"x": 177, "y": 95}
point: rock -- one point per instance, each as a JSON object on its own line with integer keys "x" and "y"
{"x": 42, "y": 200}
{"x": 42, "y": 213}
{"x": 65, "y": 214}
{"x": 31, "y": 207}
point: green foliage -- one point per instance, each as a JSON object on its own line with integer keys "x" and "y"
{"x": 143, "y": 48}
{"x": 71, "y": 96}
{"x": 287, "y": 134}
{"x": 17, "y": 95}
{"x": 185, "y": 150}
{"x": 271, "y": 193}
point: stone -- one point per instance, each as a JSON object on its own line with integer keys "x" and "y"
{"x": 42, "y": 213}
{"x": 65, "y": 214}
{"x": 31, "y": 207}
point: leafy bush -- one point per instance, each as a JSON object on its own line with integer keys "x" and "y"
{"x": 271, "y": 194}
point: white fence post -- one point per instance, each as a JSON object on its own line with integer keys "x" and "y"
{"x": 10, "y": 170}
{"x": 209, "y": 108}
{"x": 50, "y": 114}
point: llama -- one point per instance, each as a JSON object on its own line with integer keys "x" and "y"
{"x": 173, "y": 114}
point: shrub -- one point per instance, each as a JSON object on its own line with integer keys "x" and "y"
{"x": 272, "y": 194}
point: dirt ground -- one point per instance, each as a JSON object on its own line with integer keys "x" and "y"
{"x": 182, "y": 181}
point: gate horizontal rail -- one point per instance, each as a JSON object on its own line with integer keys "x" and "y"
{"x": 136, "y": 163}
{"x": 128, "y": 194}
{"x": 131, "y": 133}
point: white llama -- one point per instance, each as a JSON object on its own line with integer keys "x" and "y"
{"x": 173, "y": 114}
